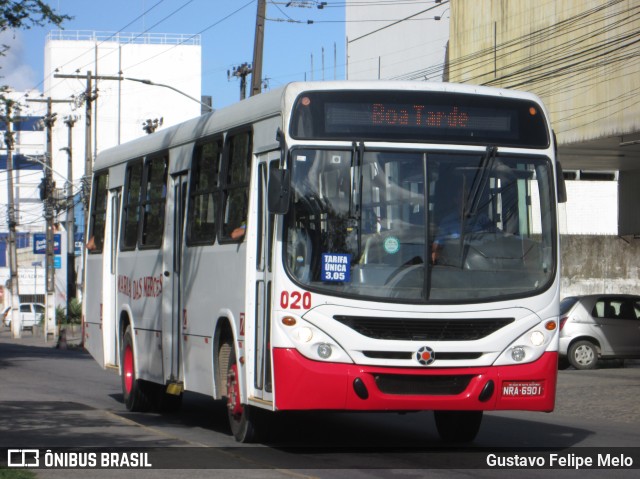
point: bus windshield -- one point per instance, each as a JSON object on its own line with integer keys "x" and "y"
{"x": 420, "y": 226}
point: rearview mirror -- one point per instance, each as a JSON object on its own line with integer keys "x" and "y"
{"x": 279, "y": 191}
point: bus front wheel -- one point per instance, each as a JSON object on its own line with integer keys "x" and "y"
{"x": 458, "y": 426}
{"x": 240, "y": 415}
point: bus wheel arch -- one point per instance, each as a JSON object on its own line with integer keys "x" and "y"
{"x": 228, "y": 377}
{"x": 223, "y": 344}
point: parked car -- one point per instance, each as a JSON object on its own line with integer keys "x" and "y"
{"x": 599, "y": 326}
{"x": 30, "y": 314}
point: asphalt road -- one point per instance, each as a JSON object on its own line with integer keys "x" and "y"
{"x": 52, "y": 398}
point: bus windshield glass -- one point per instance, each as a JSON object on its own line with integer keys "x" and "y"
{"x": 432, "y": 226}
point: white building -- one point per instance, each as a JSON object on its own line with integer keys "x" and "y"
{"x": 121, "y": 107}
{"x": 396, "y": 40}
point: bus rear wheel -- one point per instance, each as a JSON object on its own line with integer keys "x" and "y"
{"x": 458, "y": 426}
{"x": 135, "y": 391}
{"x": 240, "y": 415}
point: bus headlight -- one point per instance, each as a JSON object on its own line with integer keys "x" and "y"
{"x": 518, "y": 353}
{"x": 324, "y": 350}
{"x": 531, "y": 345}
{"x": 537, "y": 338}
{"x": 311, "y": 341}
{"x": 304, "y": 334}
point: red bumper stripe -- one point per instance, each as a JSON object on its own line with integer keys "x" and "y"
{"x": 303, "y": 384}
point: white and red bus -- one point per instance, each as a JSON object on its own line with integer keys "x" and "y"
{"x": 353, "y": 246}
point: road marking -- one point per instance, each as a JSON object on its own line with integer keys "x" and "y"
{"x": 153, "y": 430}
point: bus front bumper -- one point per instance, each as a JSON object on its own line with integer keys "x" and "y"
{"x": 303, "y": 384}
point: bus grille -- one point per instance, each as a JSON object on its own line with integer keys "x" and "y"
{"x": 409, "y": 355}
{"x": 418, "y": 329}
{"x": 422, "y": 385}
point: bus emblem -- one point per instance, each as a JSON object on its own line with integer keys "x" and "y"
{"x": 425, "y": 355}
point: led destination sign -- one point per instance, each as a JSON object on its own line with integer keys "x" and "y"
{"x": 435, "y": 117}
{"x": 416, "y": 116}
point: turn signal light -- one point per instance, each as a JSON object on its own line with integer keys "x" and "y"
{"x": 289, "y": 321}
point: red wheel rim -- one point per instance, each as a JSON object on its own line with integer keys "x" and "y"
{"x": 128, "y": 368}
{"x": 233, "y": 393}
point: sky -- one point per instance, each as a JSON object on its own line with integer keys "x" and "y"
{"x": 227, "y": 32}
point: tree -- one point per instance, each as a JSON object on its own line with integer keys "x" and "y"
{"x": 26, "y": 14}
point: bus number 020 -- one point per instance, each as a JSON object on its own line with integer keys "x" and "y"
{"x": 295, "y": 300}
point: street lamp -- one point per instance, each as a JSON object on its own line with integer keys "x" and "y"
{"x": 149, "y": 82}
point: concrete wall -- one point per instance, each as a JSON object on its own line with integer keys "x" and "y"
{"x": 600, "y": 264}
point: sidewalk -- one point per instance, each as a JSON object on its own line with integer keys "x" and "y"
{"x": 35, "y": 337}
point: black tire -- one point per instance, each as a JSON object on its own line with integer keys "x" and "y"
{"x": 136, "y": 393}
{"x": 241, "y": 416}
{"x": 563, "y": 362}
{"x": 458, "y": 426}
{"x": 583, "y": 355}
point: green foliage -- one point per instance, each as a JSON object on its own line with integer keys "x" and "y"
{"x": 25, "y": 14}
{"x": 16, "y": 473}
{"x": 75, "y": 313}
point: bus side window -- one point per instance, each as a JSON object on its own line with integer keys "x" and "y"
{"x": 98, "y": 214}
{"x": 131, "y": 206}
{"x": 236, "y": 186}
{"x": 205, "y": 198}
{"x": 153, "y": 205}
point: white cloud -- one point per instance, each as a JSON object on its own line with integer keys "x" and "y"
{"x": 14, "y": 69}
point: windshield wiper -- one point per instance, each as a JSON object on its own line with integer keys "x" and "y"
{"x": 355, "y": 198}
{"x": 479, "y": 182}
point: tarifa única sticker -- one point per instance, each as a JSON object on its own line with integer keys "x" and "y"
{"x": 391, "y": 245}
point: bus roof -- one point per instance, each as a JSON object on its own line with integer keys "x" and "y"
{"x": 271, "y": 104}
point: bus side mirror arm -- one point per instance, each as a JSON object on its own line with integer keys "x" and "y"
{"x": 279, "y": 191}
{"x": 562, "y": 187}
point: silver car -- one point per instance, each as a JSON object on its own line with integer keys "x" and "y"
{"x": 599, "y": 326}
{"x": 30, "y": 315}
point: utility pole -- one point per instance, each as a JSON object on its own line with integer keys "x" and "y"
{"x": 47, "y": 196}
{"x": 242, "y": 72}
{"x": 16, "y": 324}
{"x": 70, "y": 206}
{"x": 89, "y": 97}
{"x": 258, "y": 46}
{"x": 49, "y": 121}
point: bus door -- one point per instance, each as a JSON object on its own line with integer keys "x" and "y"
{"x": 110, "y": 313}
{"x": 173, "y": 306}
{"x": 264, "y": 279}
{"x": 97, "y": 270}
